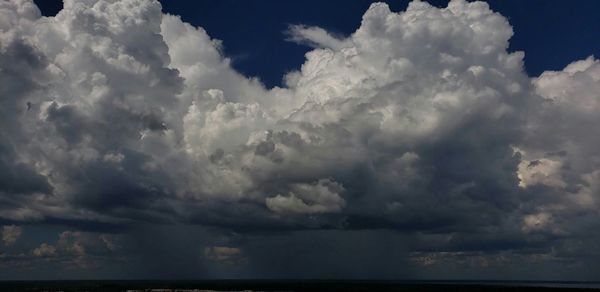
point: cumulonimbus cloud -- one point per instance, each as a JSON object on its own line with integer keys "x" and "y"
{"x": 419, "y": 121}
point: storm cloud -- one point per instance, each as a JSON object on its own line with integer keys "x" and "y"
{"x": 419, "y": 132}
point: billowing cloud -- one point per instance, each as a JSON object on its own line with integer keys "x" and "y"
{"x": 44, "y": 250}
{"x": 320, "y": 197}
{"x": 114, "y": 115}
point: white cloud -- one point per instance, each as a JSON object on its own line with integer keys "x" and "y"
{"x": 541, "y": 171}
{"x": 177, "y": 123}
{"x": 314, "y": 36}
{"x": 44, "y": 250}
{"x": 10, "y": 234}
{"x": 224, "y": 254}
{"x": 535, "y": 222}
{"x": 560, "y": 136}
{"x": 115, "y": 113}
{"x": 76, "y": 249}
{"x": 320, "y": 197}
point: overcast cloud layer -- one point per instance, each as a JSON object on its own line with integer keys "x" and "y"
{"x": 414, "y": 144}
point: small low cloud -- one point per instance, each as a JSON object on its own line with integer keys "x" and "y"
{"x": 44, "y": 250}
{"x": 10, "y": 234}
{"x": 224, "y": 254}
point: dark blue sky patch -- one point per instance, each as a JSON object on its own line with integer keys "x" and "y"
{"x": 49, "y": 7}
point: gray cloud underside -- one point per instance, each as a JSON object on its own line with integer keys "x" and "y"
{"x": 113, "y": 114}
